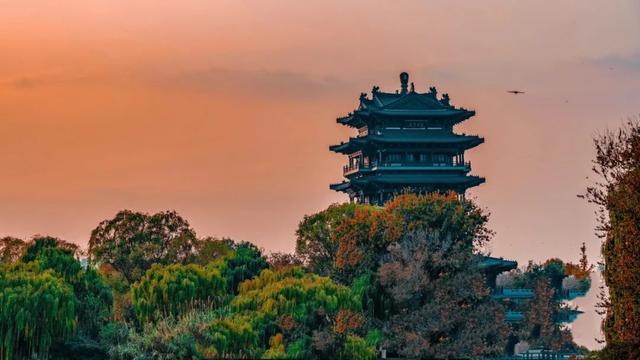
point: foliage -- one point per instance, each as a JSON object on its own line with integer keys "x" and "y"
{"x": 292, "y": 292}
{"x": 170, "y": 289}
{"x": 617, "y": 195}
{"x": 11, "y": 249}
{"x": 40, "y": 244}
{"x": 402, "y": 275}
{"x": 244, "y": 262}
{"x": 274, "y": 315}
{"x": 279, "y": 260}
{"x": 197, "y": 334}
{"x": 315, "y": 245}
{"x": 556, "y": 273}
{"x": 132, "y": 241}
{"x": 426, "y": 274}
{"x": 552, "y": 283}
{"x": 361, "y": 240}
{"x": 358, "y": 348}
{"x": 36, "y": 308}
{"x": 122, "y": 306}
{"x": 539, "y": 328}
{"x": 313, "y": 314}
{"x": 93, "y": 295}
{"x": 583, "y": 269}
{"x": 616, "y": 351}
{"x": 408, "y": 262}
{"x": 210, "y": 249}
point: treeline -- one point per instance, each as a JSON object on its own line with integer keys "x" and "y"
{"x": 405, "y": 278}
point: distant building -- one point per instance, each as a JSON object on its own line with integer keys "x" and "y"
{"x": 405, "y": 142}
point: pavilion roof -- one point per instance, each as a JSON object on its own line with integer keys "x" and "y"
{"x": 500, "y": 263}
{"x": 411, "y": 179}
{"x": 409, "y": 105}
{"x": 355, "y": 143}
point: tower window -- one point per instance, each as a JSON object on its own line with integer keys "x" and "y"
{"x": 394, "y": 157}
{"x": 441, "y": 159}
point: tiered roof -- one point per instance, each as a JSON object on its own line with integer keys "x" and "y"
{"x": 463, "y": 142}
{"x": 404, "y": 105}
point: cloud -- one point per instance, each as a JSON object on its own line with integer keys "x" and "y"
{"x": 32, "y": 81}
{"x": 258, "y": 82}
{"x": 629, "y": 63}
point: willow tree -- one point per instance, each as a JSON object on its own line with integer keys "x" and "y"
{"x": 172, "y": 289}
{"x": 302, "y": 315}
{"x": 93, "y": 296}
{"x": 36, "y": 308}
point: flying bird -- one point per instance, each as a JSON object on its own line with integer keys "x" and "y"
{"x": 515, "y": 92}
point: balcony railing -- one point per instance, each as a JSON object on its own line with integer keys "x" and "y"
{"x": 350, "y": 169}
{"x": 401, "y": 165}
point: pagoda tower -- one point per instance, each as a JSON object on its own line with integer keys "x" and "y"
{"x": 405, "y": 142}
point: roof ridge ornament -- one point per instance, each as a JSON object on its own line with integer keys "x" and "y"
{"x": 445, "y": 100}
{"x": 404, "y": 81}
{"x": 433, "y": 92}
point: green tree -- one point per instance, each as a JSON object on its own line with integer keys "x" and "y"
{"x": 617, "y": 195}
{"x": 132, "y": 241}
{"x": 93, "y": 296}
{"x": 37, "y": 308}
{"x": 245, "y": 262}
{"x": 171, "y": 289}
{"x": 210, "y": 249}
{"x": 311, "y": 315}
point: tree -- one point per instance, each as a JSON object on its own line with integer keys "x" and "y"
{"x": 441, "y": 307}
{"x": 210, "y": 249}
{"x": 37, "y": 308}
{"x": 279, "y": 260}
{"x": 244, "y": 262}
{"x": 132, "y": 241}
{"x": 303, "y": 315}
{"x": 93, "y": 296}
{"x": 314, "y": 244}
{"x": 11, "y": 249}
{"x": 173, "y": 288}
{"x": 617, "y": 196}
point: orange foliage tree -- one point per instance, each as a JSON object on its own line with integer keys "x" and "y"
{"x": 617, "y": 195}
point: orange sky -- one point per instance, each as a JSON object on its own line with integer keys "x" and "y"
{"x": 224, "y": 110}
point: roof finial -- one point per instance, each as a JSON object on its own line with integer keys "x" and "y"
{"x": 404, "y": 81}
{"x": 413, "y": 87}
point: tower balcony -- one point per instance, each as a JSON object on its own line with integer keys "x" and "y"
{"x": 351, "y": 169}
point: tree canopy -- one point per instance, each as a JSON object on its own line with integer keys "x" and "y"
{"x": 132, "y": 241}
{"x": 171, "y": 289}
{"x": 616, "y": 192}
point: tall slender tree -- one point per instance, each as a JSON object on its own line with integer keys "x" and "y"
{"x": 617, "y": 195}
